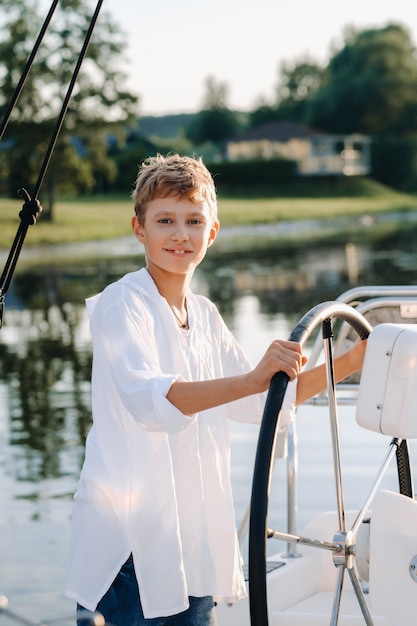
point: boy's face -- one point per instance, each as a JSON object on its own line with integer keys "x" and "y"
{"x": 176, "y": 234}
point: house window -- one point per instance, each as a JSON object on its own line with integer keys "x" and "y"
{"x": 319, "y": 148}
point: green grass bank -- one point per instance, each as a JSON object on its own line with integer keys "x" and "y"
{"x": 98, "y": 218}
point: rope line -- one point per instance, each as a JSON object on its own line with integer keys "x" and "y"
{"x": 31, "y": 207}
{"x": 27, "y": 69}
{"x": 65, "y": 104}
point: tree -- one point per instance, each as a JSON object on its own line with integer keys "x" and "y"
{"x": 369, "y": 85}
{"x": 215, "y": 122}
{"x": 298, "y": 82}
{"x": 261, "y": 113}
{"x": 100, "y": 106}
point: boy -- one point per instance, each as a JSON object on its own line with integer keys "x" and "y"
{"x": 153, "y": 538}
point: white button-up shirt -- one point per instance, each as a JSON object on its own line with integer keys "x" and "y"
{"x": 156, "y": 483}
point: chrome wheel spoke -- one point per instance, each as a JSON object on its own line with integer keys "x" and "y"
{"x": 337, "y": 597}
{"x": 360, "y": 596}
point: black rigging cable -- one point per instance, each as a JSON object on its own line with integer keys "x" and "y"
{"x": 27, "y": 69}
{"x": 31, "y": 207}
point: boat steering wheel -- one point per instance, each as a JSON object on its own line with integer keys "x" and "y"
{"x": 343, "y": 541}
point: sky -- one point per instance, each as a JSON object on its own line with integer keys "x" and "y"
{"x": 173, "y": 46}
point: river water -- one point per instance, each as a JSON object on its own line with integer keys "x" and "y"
{"x": 45, "y": 360}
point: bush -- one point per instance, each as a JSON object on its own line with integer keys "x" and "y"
{"x": 394, "y": 162}
{"x": 233, "y": 175}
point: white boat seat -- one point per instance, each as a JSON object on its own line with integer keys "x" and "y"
{"x": 387, "y": 398}
{"x": 393, "y": 560}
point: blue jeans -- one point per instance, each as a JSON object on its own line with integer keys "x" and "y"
{"x": 121, "y": 606}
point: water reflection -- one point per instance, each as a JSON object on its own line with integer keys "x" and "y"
{"x": 45, "y": 357}
{"x": 46, "y": 367}
{"x": 289, "y": 283}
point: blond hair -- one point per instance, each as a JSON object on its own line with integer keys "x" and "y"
{"x": 180, "y": 176}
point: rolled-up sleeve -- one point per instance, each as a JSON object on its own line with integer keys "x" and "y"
{"x": 127, "y": 371}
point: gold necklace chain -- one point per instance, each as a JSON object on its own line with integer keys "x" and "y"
{"x": 182, "y": 324}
